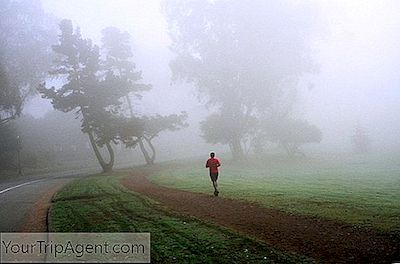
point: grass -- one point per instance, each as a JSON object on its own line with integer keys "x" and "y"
{"x": 100, "y": 204}
{"x": 355, "y": 190}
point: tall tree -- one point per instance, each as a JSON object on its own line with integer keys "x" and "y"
{"x": 118, "y": 62}
{"x": 241, "y": 56}
{"x": 93, "y": 92}
{"x": 25, "y": 32}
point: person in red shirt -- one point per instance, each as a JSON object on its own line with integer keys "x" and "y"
{"x": 213, "y": 163}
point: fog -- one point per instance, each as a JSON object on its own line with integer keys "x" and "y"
{"x": 353, "y": 81}
{"x": 358, "y": 80}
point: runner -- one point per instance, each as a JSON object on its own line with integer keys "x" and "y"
{"x": 213, "y": 163}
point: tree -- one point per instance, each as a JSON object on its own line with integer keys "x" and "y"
{"x": 93, "y": 92}
{"x": 227, "y": 127}
{"x": 24, "y": 141}
{"x": 153, "y": 126}
{"x": 360, "y": 140}
{"x": 241, "y": 56}
{"x": 119, "y": 63}
{"x": 25, "y": 32}
{"x": 8, "y": 146}
{"x": 291, "y": 134}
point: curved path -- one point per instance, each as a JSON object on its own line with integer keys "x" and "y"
{"x": 24, "y": 202}
{"x": 323, "y": 240}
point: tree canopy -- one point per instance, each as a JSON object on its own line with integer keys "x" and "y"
{"x": 291, "y": 134}
{"x": 118, "y": 61}
{"x": 93, "y": 89}
{"x": 25, "y": 32}
{"x": 97, "y": 85}
{"x": 238, "y": 57}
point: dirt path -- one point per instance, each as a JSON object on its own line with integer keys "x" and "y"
{"x": 37, "y": 221}
{"x": 325, "y": 241}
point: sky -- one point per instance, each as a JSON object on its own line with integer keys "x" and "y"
{"x": 357, "y": 52}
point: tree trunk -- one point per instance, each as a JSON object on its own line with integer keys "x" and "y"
{"x": 150, "y": 158}
{"x": 128, "y": 99}
{"x": 145, "y": 153}
{"x": 236, "y": 149}
{"x": 153, "y": 150}
{"x": 141, "y": 145}
{"x": 110, "y": 164}
{"x": 107, "y": 167}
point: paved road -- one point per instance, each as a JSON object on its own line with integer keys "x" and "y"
{"x": 17, "y": 197}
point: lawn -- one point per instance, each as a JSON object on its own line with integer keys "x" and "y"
{"x": 100, "y": 204}
{"x": 355, "y": 190}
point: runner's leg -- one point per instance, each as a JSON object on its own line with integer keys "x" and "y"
{"x": 214, "y": 178}
{"x": 215, "y": 185}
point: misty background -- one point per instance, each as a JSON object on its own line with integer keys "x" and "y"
{"x": 355, "y": 83}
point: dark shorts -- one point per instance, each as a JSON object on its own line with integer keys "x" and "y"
{"x": 214, "y": 176}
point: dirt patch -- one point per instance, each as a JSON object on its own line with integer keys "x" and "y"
{"x": 36, "y": 220}
{"x": 325, "y": 241}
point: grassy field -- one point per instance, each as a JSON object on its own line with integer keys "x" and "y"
{"x": 100, "y": 204}
{"x": 357, "y": 190}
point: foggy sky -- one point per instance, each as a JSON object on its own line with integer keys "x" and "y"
{"x": 357, "y": 52}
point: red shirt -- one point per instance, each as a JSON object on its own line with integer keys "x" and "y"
{"x": 213, "y": 164}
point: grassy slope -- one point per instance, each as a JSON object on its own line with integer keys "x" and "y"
{"x": 101, "y": 204}
{"x": 356, "y": 191}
